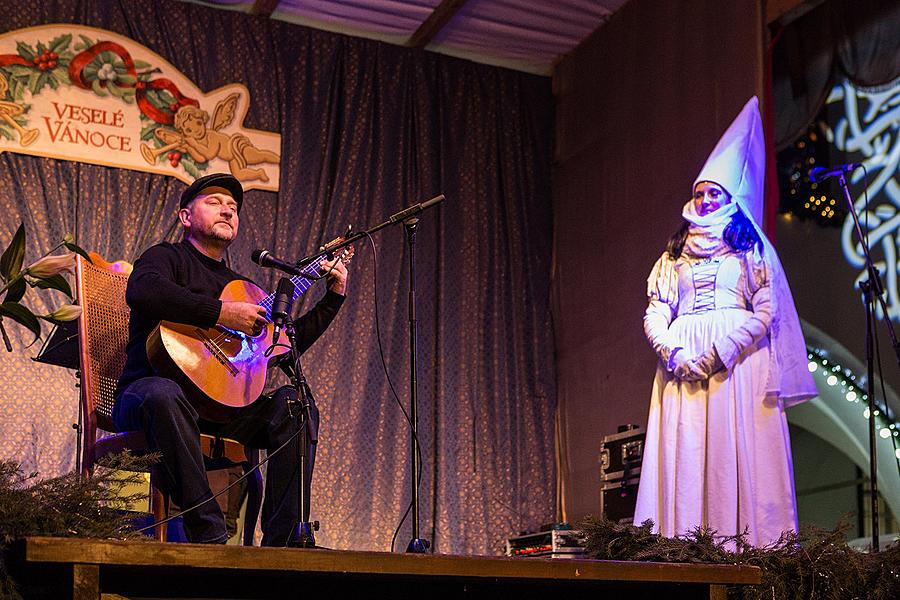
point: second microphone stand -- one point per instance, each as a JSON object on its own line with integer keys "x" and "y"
{"x": 409, "y": 217}
{"x": 416, "y": 544}
{"x": 873, "y": 292}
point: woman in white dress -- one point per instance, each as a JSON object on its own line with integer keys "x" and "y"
{"x": 722, "y": 320}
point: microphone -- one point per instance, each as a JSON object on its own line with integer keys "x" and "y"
{"x": 415, "y": 209}
{"x": 281, "y": 307}
{"x": 264, "y": 258}
{"x": 819, "y": 174}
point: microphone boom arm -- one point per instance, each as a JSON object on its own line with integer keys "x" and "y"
{"x": 398, "y": 217}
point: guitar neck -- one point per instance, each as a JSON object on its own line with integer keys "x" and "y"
{"x": 301, "y": 285}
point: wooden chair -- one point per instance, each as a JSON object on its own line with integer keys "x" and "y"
{"x": 103, "y": 334}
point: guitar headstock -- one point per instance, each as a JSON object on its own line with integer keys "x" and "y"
{"x": 345, "y": 255}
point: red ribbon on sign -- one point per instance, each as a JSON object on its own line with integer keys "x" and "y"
{"x": 164, "y": 117}
{"x": 14, "y": 59}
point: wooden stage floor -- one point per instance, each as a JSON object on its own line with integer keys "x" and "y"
{"x": 111, "y": 570}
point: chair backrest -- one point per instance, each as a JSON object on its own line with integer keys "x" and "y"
{"x": 102, "y": 336}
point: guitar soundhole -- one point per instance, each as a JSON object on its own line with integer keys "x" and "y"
{"x": 216, "y": 350}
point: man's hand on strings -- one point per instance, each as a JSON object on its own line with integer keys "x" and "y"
{"x": 243, "y": 316}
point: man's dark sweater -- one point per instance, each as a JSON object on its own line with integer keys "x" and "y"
{"x": 177, "y": 282}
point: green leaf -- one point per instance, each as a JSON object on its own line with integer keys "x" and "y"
{"x": 17, "y": 89}
{"x": 11, "y": 261}
{"x": 62, "y": 75}
{"x": 6, "y": 341}
{"x": 128, "y": 97}
{"x": 25, "y": 51}
{"x": 190, "y": 168}
{"x": 59, "y": 44}
{"x": 113, "y": 89}
{"x": 147, "y": 132}
{"x": 41, "y": 48}
{"x": 22, "y": 316}
{"x": 166, "y": 97}
{"x": 88, "y": 41}
{"x": 16, "y": 291}
{"x": 52, "y": 82}
{"x": 7, "y": 133}
{"x": 57, "y": 282}
{"x": 140, "y": 64}
{"x": 20, "y": 70}
{"x": 44, "y": 80}
{"x": 126, "y": 79}
{"x": 78, "y": 250}
{"x": 98, "y": 89}
{"x": 33, "y": 81}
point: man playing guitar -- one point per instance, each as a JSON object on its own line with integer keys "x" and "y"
{"x": 182, "y": 283}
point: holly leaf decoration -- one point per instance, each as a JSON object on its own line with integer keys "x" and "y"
{"x": 11, "y": 261}
{"x": 18, "y": 90}
{"x": 56, "y": 282}
{"x": 190, "y": 167}
{"x": 22, "y": 316}
{"x": 58, "y": 44}
{"x": 147, "y": 132}
{"x": 34, "y": 82}
{"x": 25, "y": 51}
{"x": 61, "y": 74}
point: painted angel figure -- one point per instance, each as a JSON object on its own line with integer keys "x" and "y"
{"x": 206, "y": 143}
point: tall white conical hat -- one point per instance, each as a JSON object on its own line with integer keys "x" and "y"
{"x": 738, "y": 162}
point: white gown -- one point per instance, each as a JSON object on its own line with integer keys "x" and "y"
{"x": 717, "y": 452}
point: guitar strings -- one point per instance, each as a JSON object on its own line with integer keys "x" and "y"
{"x": 300, "y": 282}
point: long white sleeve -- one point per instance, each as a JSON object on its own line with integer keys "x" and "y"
{"x": 662, "y": 296}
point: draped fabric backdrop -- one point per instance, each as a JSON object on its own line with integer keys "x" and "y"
{"x": 367, "y": 129}
{"x": 857, "y": 40}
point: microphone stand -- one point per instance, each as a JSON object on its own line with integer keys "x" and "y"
{"x": 416, "y": 544}
{"x": 872, "y": 290}
{"x": 409, "y": 218}
{"x": 302, "y": 535}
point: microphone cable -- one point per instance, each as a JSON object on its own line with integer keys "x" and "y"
{"x": 394, "y": 394}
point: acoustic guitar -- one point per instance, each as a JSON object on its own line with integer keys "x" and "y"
{"x": 221, "y": 369}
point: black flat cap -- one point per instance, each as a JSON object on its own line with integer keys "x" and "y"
{"x": 226, "y": 183}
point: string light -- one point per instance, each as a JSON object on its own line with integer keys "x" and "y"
{"x": 884, "y": 423}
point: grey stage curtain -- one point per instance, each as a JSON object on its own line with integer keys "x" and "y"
{"x": 367, "y": 129}
{"x": 856, "y": 40}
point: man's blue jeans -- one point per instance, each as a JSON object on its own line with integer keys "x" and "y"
{"x": 158, "y": 407}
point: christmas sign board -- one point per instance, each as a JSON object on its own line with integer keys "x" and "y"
{"x": 89, "y": 95}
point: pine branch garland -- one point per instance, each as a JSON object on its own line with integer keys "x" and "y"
{"x": 815, "y": 564}
{"x": 68, "y": 506}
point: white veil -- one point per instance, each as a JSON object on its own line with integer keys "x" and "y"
{"x": 738, "y": 164}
